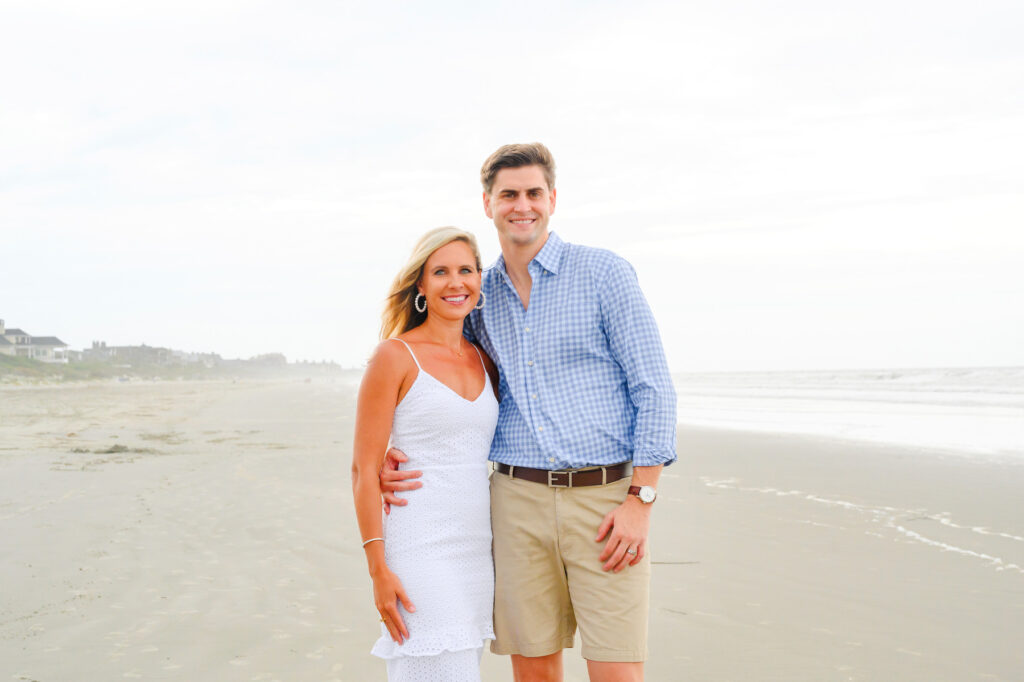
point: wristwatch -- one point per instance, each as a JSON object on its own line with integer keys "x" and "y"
{"x": 646, "y": 493}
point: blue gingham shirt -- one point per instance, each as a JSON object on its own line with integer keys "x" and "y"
{"x": 583, "y": 375}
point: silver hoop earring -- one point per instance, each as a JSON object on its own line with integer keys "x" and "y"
{"x": 480, "y": 304}
{"x": 416, "y": 303}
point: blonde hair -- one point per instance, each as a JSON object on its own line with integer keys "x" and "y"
{"x": 400, "y": 314}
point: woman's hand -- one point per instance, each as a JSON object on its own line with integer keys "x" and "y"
{"x": 387, "y": 592}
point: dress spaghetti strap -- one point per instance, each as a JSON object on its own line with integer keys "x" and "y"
{"x": 481, "y": 358}
{"x": 408, "y": 348}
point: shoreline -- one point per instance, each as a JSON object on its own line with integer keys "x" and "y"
{"x": 861, "y": 443}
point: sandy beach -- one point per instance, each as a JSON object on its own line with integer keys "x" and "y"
{"x": 204, "y": 531}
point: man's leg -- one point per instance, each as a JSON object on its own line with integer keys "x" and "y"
{"x": 602, "y": 671}
{"x": 537, "y": 669}
{"x": 611, "y": 609}
{"x": 533, "y": 619}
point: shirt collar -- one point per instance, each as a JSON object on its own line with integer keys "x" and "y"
{"x": 549, "y": 257}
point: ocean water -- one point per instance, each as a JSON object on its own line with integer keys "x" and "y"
{"x": 965, "y": 410}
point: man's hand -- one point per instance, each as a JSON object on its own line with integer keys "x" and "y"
{"x": 628, "y": 524}
{"x": 392, "y": 480}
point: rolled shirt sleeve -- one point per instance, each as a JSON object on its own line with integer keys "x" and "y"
{"x": 636, "y": 345}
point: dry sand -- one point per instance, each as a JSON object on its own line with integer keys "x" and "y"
{"x": 219, "y": 544}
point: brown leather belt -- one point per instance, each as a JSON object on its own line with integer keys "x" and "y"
{"x": 573, "y": 478}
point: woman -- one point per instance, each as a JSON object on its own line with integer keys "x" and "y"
{"x": 433, "y": 394}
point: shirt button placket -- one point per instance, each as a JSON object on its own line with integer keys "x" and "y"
{"x": 531, "y": 375}
{"x": 527, "y": 339}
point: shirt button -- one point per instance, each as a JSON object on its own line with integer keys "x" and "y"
{"x": 530, "y": 363}
{"x": 540, "y": 428}
{"x": 551, "y": 459}
{"x": 533, "y": 396}
{"x": 527, "y": 329}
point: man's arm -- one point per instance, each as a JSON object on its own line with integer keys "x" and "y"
{"x": 393, "y": 480}
{"x": 636, "y": 345}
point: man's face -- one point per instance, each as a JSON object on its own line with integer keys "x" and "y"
{"x": 520, "y": 204}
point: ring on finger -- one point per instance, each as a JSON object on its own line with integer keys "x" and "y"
{"x": 631, "y": 550}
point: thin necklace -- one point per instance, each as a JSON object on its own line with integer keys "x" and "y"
{"x": 457, "y": 351}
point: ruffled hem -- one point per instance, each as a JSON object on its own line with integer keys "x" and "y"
{"x": 385, "y": 647}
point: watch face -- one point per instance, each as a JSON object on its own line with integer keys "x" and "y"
{"x": 647, "y": 494}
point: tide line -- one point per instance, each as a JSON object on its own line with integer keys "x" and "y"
{"x": 888, "y": 516}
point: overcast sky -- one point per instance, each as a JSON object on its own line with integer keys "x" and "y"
{"x": 799, "y": 185}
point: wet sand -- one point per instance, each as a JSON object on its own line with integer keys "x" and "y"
{"x": 204, "y": 531}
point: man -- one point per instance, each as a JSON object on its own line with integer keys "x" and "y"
{"x": 587, "y": 420}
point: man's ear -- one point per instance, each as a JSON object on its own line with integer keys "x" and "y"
{"x": 553, "y": 192}
{"x": 487, "y": 206}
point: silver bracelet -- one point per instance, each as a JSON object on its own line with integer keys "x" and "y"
{"x": 372, "y": 540}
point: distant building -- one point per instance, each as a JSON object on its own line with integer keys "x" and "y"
{"x": 208, "y": 360}
{"x": 270, "y": 360}
{"x": 21, "y": 344}
{"x": 146, "y": 355}
{"x": 98, "y": 352}
{"x": 128, "y": 355}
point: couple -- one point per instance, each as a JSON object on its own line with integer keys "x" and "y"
{"x": 562, "y": 336}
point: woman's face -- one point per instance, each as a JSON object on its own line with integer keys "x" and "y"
{"x": 451, "y": 281}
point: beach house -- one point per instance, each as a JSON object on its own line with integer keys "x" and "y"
{"x": 21, "y": 344}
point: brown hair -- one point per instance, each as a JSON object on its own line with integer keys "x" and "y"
{"x": 400, "y": 314}
{"x": 517, "y": 156}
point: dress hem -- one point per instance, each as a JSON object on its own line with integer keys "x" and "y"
{"x": 394, "y": 652}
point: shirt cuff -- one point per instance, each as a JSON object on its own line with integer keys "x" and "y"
{"x": 652, "y": 457}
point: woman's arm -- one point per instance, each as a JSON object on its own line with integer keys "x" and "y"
{"x": 378, "y": 396}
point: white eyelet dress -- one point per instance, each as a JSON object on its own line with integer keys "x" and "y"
{"x": 439, "y": 545}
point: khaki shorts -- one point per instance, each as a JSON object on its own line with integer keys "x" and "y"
{"x": 548, "y": 577}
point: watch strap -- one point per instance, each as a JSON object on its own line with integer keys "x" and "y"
{"x": 637, "y": 489}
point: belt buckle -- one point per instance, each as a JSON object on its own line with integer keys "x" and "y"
{"x": 567, "y": 474}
